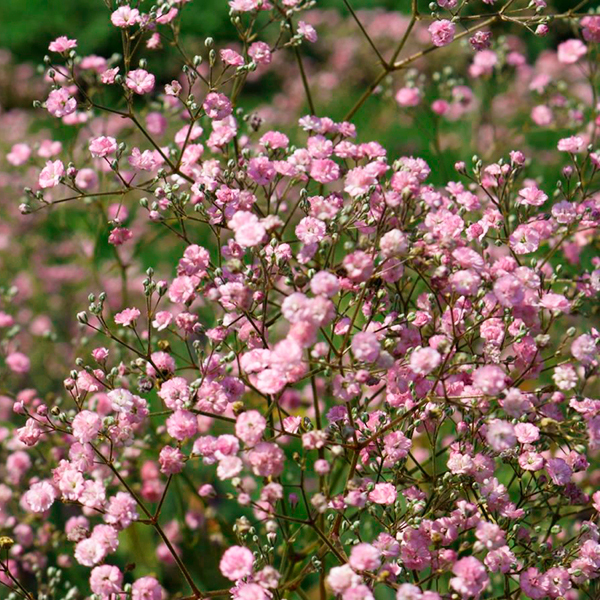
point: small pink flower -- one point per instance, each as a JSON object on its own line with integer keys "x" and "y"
{"x": 571, "y": 51}
{"x": 231, "y": 57}
{"x": 573, "y": 144}
{"x": 50, "y": 175}
{"x": 171, "y": 460}
{"x": 365, "y": 346}
{"x": 162, "y": 320}
{"x": 532, "y": 196}
{"x": 491, "y": 380}
{"x": 383, "y": 493}
{"x": 173, "y": 88}
{"x": 62, "y": 44}
{"x": 442, "y": 32}
{"x": 260, "y": 53}
{"x": 18, "y": 362}
{"x": 250, "y": 426}
{"x": 140, "y": 81}
{"x": 119, "y": 235}
{"x": 106, "y": 580}
{"x": 40, "y": 497}
{"x": 364, "y": 557}
{"x": 86, "y": 426}
{"x": 127, "y": 317}
{"x": 307, "y": 31}
{"x": 102, "y": 146}
{"x": 108, "y": 77}
{"x": 236, "y": 563}
{"x": 408, "y": 96}
{"x": 217, "y": 106}
{"x": 555, "y": 302}
{"x": 125, "y": 16}
{"x": 471, "y": 578}
{"x": 146, "y": 588}
{"x": 60, "y": 103}
{"x": 424, "y": 360}
{"x": 19, "y": 154}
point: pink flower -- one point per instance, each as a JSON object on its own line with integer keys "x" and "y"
{"x": 19, "y": 154}
{"x": 491, "y": 380}
{"x": 365, "y": 346}
{"x": 236, "y": 563}
{"x": 527, "y": 433}
{"x": 182, "y": 290}
{"x": 175, "y": 393}
{"x": 307, "y": 31}
{"x": 119, "y": 235}
{"x": 162, "y": 320}
{"x": 86, "y": 426}
{"x": 341, "y": 578}
{"x": 86, "y": 179}
{"x": 51, "y": 174}
{"x": 18, "y": 362}
{"x": 393, "y": 244}
{"x": 324, "y": 170}
{"x": 217, "y": 106}
{"x": 249, "y": 231}
{"x": 171, "y": 460}
{"x": 250, "y": 426}
{"x": 524, "y": 239}
{"x": 60, "y": 103}
{"x": 364, "y": 557}
{"x": 182, "y": 424}
{"x": 231, "y": 57}
{"x": 261, "y": 170}
{"x": 260, "y": 53}
{"x": 173, "y": 88}
{"x": 324, "y": 283}
{"x": 106, "y": 580}
{"x": 555, "y": 302}
{"x": 424, "y": 360}
{"x": 408, "y": 96}
{"x": 266, "y": 460}
{"x": 125, "y": 16}
{"x": 121, "y": 510}
{"x": 108, "y": 77}
{"x": 146, "y": 588}
{"x": 532, "y": 196}
{"x": 310, "y": 230}
{"x": 127, "y": 317}
{"x": 571, "y": 51}
{"x": 40, "y": 497}
{"x": 591, "y": 28}
{"x": 140, "y": 81}
{"x": 442, "y": 32}
{"x": 62, "y": 44}
{"x": 144, "y": 161}
{"x": 501, "y": 435}
{"x": 229, "y": 467}
{"x": 542, "y": 115}
{"x": 383, "y": 493}
{"x": 102, "y": 146}
{"x": 358, "y": 265}
{"x": 573, "y": 144}
{"x": 471, "y": 578}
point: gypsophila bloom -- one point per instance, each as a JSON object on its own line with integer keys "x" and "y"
{"x": 140, "y": 81}
{"x": 236, "y": 563}
{"x": 442, "y": 32}
{"x": 60, "y": 103}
